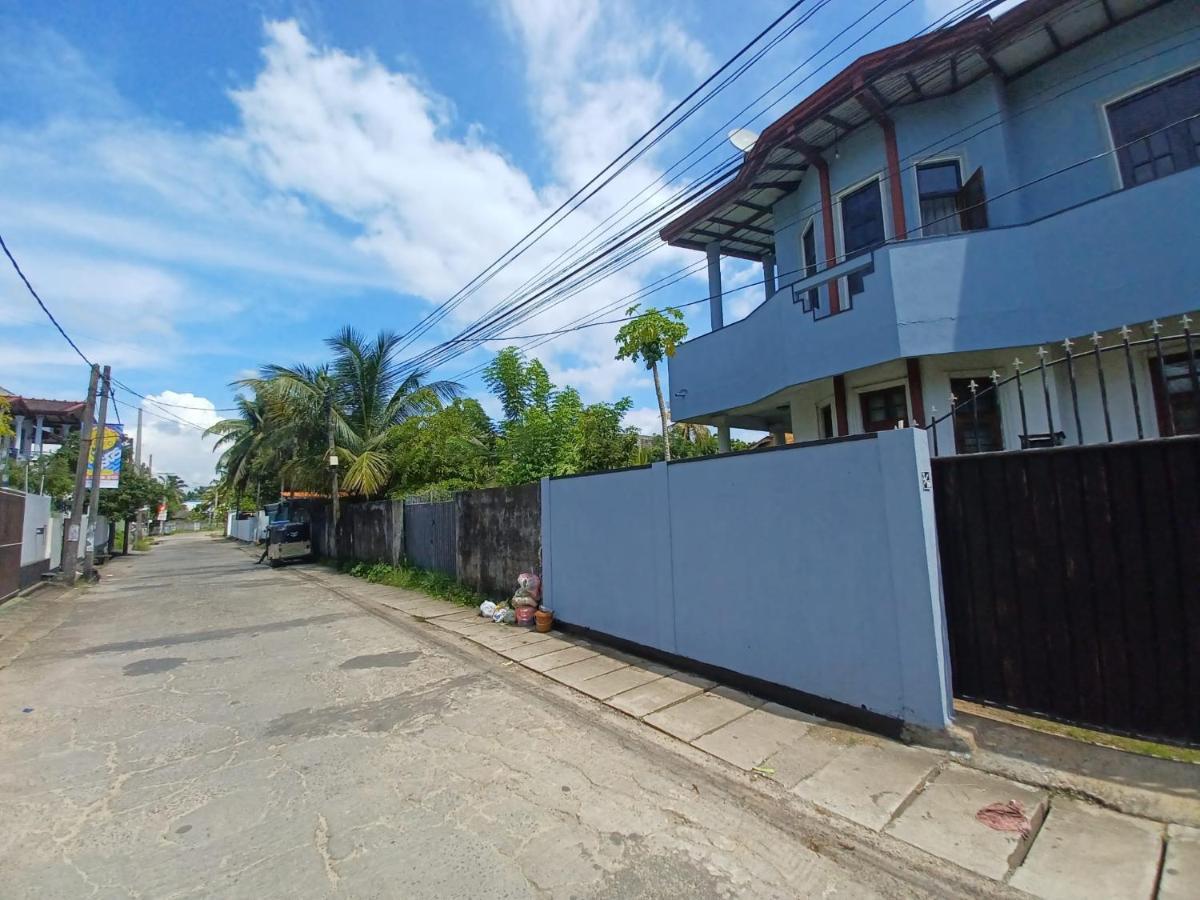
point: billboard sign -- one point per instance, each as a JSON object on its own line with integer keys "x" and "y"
{"x": 110, "y": 457}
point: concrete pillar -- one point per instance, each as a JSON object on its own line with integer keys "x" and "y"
{"x": 768, "y": 264}
{"x": 37, "y": 433}
{"x": 722, "y": 436}
{"x": 19, "y": 430}
{"x": 779, "y": 436}
{"x": 716, "y": 311}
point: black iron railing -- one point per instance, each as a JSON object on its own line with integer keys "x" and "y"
{"x": 1070, "y": 360}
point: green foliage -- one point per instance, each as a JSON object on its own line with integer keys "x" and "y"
{"x": 548, "y": 431}
{"x": 453, "y": 445}
{"x": 6, "y": 429}
{"x": 651, "y": 336}
{"x": 436, "y": 584}
{"x": 138, "y": 489}
{"x": 396, "y": 434}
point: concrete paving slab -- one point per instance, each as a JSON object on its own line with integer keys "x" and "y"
{"x": 577, "y": 673}
{"x": 748, "y": 741}
{"x": 1181, "y": 864}
{"x": 618, "y": 681}
{"x": 431, "y": 611}
{"x": 641, "y": 701}
{"x": 459, "y": 626}
{"x": 942, "y": 820}
{"x": 1085, "y": 852}
{"x": 797, "y": 761}
{"x": 697, "y": 715}
{"x": 522, "y": 652}
{"x": 547, "y": 661}
{"x": 868, "y": 782}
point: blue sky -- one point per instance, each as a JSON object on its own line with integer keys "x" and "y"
{"x": 197, "y": 188}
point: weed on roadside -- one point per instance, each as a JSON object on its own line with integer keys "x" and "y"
{"x": 436, "y": 584}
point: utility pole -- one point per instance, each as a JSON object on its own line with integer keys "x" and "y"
{"x": 137, "y": 447}
{"x": 140, "y": 529}
{"x": 89, "y": 561}
{"x": 333, "y": 464}
{"x": 70, "y": 546}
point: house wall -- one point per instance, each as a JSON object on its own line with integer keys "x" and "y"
{"x": 35, "y": 539}
{"x": 1060, "y": 269}
{"x": 1068, "y": 274}
{"x": 818, "y": 573}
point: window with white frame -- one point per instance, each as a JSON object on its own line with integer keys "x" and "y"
{"x": 1156, "y": 132}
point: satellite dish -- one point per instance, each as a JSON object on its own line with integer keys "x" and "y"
{"x": 743, "y": 139}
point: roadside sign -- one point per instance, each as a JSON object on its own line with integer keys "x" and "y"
{"x": 162, "y": 512}
{"x": 110, "y": 458}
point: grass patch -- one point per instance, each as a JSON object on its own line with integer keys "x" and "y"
{"x": 435, "y": 584}
{"x": 143, "y": 544}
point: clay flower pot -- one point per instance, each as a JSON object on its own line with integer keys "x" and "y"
{"x": 543, "y": 619}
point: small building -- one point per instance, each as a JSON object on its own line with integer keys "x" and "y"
{"x": 952, "y": 209}
{"x": 38, "y": 422}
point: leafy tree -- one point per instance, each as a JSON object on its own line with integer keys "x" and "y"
{"x": 6, "y": 429}
{"x": 651, "y": 337}
{"x": 451, "y": 448}
{"x": 547, "y": 431}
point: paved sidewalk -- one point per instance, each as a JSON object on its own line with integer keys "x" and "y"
{"x": 927, "y": 798}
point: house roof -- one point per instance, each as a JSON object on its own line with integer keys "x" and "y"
{"x": 56, "y": 411}
{"x": 739, "y": 214}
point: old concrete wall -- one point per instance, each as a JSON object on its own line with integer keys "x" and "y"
{"x": 813, "y": 567}
{"x": 499, "y": 537}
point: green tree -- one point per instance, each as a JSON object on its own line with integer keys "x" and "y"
{"x": 651, "y": 337}
{"x": 243, "y": 441}
{"x": 6, "y": 429}
{"x": 548, "y": 431}
{"x": 451, "y": 448}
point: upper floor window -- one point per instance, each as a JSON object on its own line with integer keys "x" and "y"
{"x": 947, "y": 205}
{"x": 1157, "y": 132}
{"x": 862, "y": 227}
{"x": 938, "y": 185}
{"x": 808, "y": 248}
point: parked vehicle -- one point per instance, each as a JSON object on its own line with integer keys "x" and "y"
{"x": 286, "y": 540}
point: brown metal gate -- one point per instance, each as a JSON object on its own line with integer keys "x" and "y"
{"x": 12, "y": 516}
{"x": 1072, "y": 582}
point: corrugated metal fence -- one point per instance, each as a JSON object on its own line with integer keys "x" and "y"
{"x": 431, "y": 535}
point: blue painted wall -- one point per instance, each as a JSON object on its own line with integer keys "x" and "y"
{"x": 1119, "y": 259}
{"x": 811, "y": 567}
{"x": 1087, "y": 268}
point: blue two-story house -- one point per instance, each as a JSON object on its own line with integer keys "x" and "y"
{"x": 947, "y": 206}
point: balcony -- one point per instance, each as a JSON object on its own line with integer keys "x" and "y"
{"x": 1128, "y": 256}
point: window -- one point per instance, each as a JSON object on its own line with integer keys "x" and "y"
{"x": 976, "y": 427}
{"x": 1157, "y": 132}
{"x": 938, "y": 185}
{"x": 1174, "y": 391}
{"x": 884, "y": 409}
{"x": 862, "y": 227}
{"x": 808, "y": 247}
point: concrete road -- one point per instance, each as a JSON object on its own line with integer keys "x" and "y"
{"x": 198, "y": 726}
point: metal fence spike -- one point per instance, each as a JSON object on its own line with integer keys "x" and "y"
{"x": 1096, "y": 339}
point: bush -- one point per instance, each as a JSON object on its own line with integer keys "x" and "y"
{"x": 436, "y": 584}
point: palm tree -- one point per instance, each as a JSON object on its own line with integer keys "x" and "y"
{"x": 374, "y": 394}
{"x": 348, "y": 409}
{"x": 244, "y": 439}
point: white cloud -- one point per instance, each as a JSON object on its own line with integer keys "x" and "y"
{"x": 341, "y": 173}
{"x": 173, "y": 435}
{"x": 645, "y": 419}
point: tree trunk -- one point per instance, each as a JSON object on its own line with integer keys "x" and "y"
{"x": 662, "y": 413}
{"x": 125, "y": 543}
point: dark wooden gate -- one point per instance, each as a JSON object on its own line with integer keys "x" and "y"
{"x": 1072, "y": 582}
{"x": 12, "y": 517}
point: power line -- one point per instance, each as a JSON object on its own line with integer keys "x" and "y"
{"x": 441, "y": 353}
{"x": 516, "y": 250}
